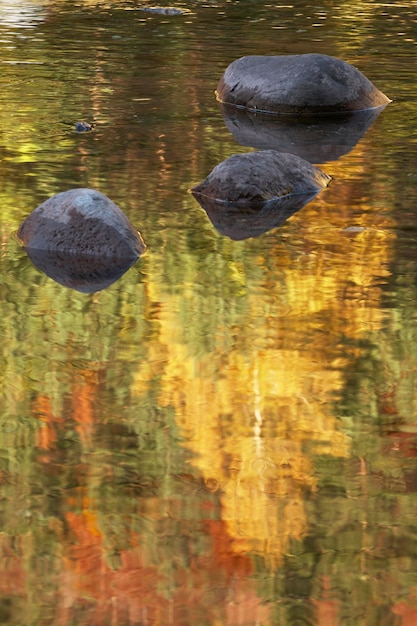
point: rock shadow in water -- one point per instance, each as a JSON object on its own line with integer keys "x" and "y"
{"x": 317, "y": 139}
{"x": 83, "y": 273}
{"x": 243, "y": 222}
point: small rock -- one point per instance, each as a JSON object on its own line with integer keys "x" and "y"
{"x": 354, "y": 229}
{"x": 163, "y": 10}
{"x": 84, "y": 127}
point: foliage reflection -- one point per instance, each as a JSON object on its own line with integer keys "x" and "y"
{"x": 226, "y": 434}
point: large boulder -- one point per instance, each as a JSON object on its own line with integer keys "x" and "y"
{"x": 81, "y": 221}
{"x": 303, "y": 84}
{"x": 259, "y": 177}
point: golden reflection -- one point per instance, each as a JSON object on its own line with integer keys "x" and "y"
{"x": 249, "y": 407}
{"x": 247, "y": 431}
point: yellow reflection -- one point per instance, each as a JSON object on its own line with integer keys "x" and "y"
{"x": 256, "y": 406}
{"x": 247, "y": 429}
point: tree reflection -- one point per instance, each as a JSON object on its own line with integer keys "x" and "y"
{"x": 227, "y": 433}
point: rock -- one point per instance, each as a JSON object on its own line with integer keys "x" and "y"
{"x": 84, "y": 127}
{"x": 317, "y": 139}
{"x": 259, "y": 177}
{"x": 302, "y": 84}
{"x": 81, "y": 221}
{"x": 164, "y": 10}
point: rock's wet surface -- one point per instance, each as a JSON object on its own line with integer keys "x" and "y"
{"x": 298, "y": 84}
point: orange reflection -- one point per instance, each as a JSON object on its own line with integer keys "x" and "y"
{"x": 46, "y": 436}
{"x": 406, "y": 613}
{"x": 84, "y": 395}
{"x": 213, "y": 584}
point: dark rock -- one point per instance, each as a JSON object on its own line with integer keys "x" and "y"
{"x": 81, "y": 221}
{"x": 256, "y": 177}
{"x": 316, "y": 139}
{"x": 242, "y": 222}
{"x": 302, "y": 84}
{"x": 84, "y": 127}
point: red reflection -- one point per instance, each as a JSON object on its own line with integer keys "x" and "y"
{"x": 328, "y": 610}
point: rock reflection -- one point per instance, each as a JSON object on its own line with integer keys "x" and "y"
{"x": 316, "y": 139}
{"x": 81, "y": 272}
{"x": 242, "y": 222}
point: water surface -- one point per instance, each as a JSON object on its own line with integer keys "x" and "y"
{"x": 227, "y": 434}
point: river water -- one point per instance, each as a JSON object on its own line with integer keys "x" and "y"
{"x": 226, "y": 435}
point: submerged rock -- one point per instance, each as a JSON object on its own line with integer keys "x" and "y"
{"x": 259, "y": 177}
{"x": 301, "y": 84}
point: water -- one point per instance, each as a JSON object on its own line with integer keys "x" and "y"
{"x": 227, "y": 434}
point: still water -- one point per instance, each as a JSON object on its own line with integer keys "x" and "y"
{"x": 227, "y": 435}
